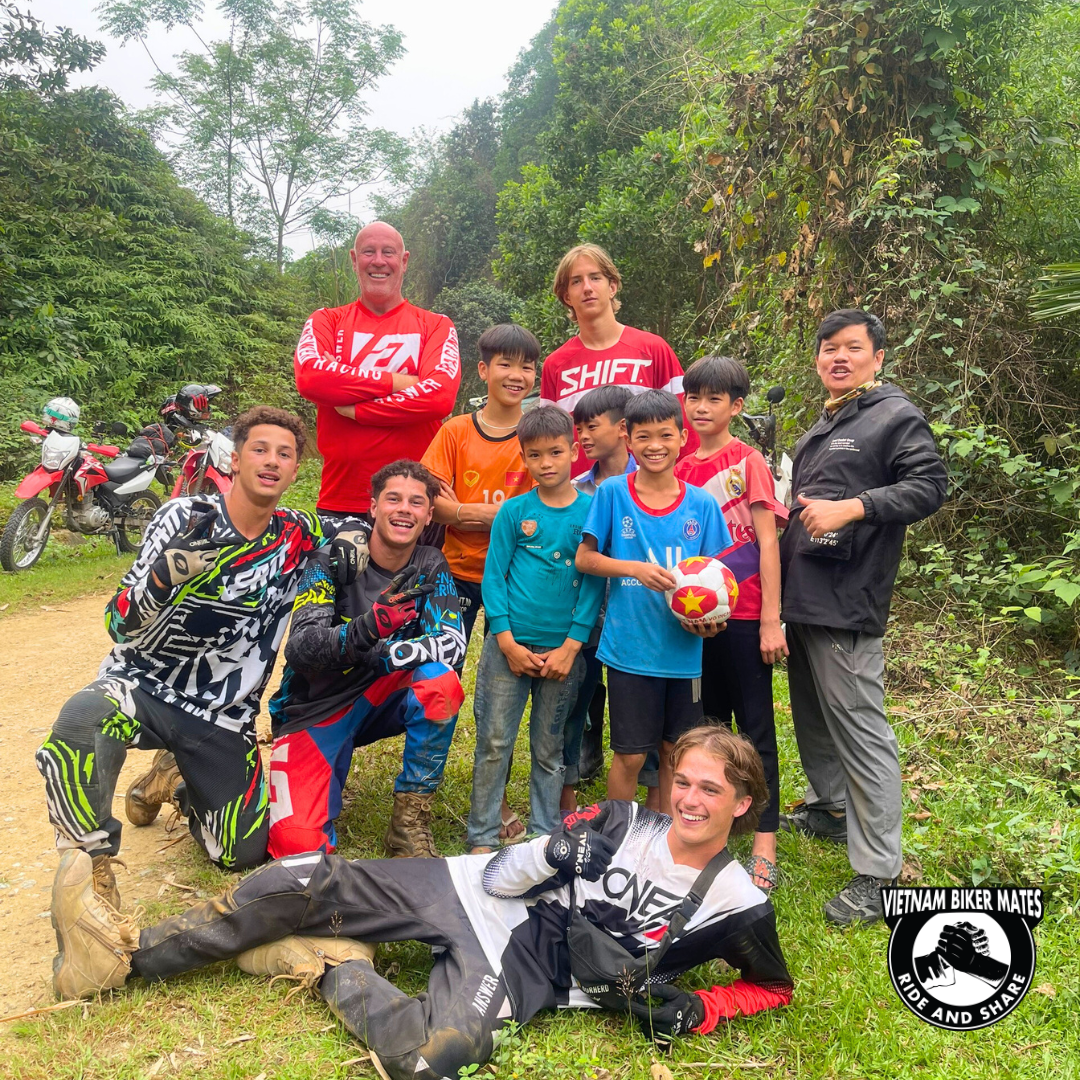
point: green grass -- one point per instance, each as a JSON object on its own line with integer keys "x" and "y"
{"x": 995, "y": 813}
{"x": 845, "y": 1020}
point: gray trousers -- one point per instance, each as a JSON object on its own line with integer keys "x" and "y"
{"x": 848, "y": 750}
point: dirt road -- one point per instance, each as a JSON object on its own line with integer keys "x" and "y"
{"x": 45, "y": 657}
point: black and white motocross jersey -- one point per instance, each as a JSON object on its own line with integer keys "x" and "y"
{"x": 519, "y": 909}
{"x": 208, "y": 646}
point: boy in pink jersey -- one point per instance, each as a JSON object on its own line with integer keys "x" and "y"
{"x": 736, "y": 675}
{"x": 603, "y": 352}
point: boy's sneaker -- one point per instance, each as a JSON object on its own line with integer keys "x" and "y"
{"x": 858, "y": 901}
{"x": 304, "y": 959}
{"x": 94, "y": 941}
{"x": 814, "y": 822}
{"x": 148, "y": 792}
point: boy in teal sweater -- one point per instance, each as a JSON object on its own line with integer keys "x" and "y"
{"x": 540, "y": 610}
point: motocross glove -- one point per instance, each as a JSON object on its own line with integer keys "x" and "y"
{"x": 671, "y": 1011}
{"x": 188, "y": 553}
{"x": 394, "y": 608}
{"x": 580, "y": 851}
{"x": 348, "y": 556}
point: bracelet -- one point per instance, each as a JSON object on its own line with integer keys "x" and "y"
{"x": 458, "y": 513}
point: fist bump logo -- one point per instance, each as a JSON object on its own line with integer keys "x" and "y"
{"x": 961, "y": 959}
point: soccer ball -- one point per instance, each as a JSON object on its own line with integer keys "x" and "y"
{"x": 705, "y": 590}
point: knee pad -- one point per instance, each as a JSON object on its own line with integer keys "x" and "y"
{"x": 83, "y": 716}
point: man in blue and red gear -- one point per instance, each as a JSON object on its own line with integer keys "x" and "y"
{"x": 368, "y": 661}
{"x": 383, "y": 373}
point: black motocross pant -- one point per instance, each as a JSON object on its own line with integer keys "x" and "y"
{"x": 426, "y": 1037}
{"x": 224, "y": 794}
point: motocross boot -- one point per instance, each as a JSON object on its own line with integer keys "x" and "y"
{"x": 94, "y": 941}
{"x": 304, "y": 959}
{"x": 148, "y": 792}
{"x": 409, "y": 835}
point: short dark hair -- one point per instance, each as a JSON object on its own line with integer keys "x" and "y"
{"x": 545, "y": 422}
{"x": 604, "y": 399}
{"x": 413, "y": 470}
{"x": 742, "y": 766}
{"x": 267, "y": 414}
{"x": 851, "y": 316}
{"x": 509, "y": 340}
{"x": 717, "y": 375}
{"x": 653, "y": 406}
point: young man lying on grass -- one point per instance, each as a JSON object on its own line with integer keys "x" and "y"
{"x": 618, "y": 873}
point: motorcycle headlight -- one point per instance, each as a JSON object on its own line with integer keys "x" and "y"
{"x": 58, "y": 450}
{"x": 220, "y": 451}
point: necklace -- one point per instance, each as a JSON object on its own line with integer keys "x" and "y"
{"x": 494, "y": 427}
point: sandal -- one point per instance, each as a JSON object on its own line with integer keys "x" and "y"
{"x": 508, "y": 834}
{"x": 481, "y": 850}
{"x": 763, "y": 873}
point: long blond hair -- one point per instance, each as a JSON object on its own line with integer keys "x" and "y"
{"x": 561, "y": 285}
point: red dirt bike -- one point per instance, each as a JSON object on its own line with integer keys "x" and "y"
{"x": 98, "y": 497}
{"x": 207, "y": 463}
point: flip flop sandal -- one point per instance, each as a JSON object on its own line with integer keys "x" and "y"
{"x": 508, "y": 837}
{"x": 763, "y": 873}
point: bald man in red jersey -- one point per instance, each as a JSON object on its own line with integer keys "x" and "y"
{"x": 383, "y": 373}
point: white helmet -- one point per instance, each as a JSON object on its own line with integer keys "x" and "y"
{"x": 61, "y": 414}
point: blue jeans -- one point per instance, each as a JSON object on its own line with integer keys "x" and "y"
{"x": 498, "y": 705}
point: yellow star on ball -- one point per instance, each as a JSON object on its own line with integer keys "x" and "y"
{"x": 694, "y": 560}
{"x": 691, "y": 602}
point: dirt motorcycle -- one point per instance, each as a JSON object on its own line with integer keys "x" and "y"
{"x": 110, "y": 497}
{"x": 763, "y": 431}
{"x": 206, "y": 464}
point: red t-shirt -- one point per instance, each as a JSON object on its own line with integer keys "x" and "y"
{"x": 367, "y": 349}
{"x": 738, "y": 477}
{"x": 639, "y": 360}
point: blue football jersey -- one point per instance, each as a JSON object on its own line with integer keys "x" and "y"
{"x": 641, "y": 633}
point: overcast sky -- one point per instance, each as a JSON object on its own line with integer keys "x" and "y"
{"x": 455, "y": 52}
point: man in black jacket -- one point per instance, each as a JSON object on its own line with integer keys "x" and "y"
{"x": 864, "y": 472}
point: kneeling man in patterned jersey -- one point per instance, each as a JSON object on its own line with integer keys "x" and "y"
{"x": 197, "y": 623}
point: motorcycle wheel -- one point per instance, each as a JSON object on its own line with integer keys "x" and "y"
{"x": 17, "y": 551}
{"x": 134, "y": 516}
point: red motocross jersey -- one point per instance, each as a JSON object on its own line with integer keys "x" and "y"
{"x": 347, "y": 356}
{"x": 639, "y": 360}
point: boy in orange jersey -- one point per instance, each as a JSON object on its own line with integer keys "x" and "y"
{"x": 478, "y": 460}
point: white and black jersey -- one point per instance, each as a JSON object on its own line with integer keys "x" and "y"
{"x": 519, "y": 909}
{"x": 208, "y": 646}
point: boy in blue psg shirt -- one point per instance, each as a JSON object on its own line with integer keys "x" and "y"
{"x": 541, "y": 610}
{"x": 638, "y": 528}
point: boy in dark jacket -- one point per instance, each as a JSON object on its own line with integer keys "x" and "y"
{"x": 864, "y": 472}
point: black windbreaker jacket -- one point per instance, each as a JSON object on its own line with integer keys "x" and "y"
{"x": 878, "y": 447}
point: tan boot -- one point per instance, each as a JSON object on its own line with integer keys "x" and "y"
{"x": 105, "y": 878}
{"x": 304, "y": 959}
{"x": 409, "y": 835}
{"x": 147, "y": 792}
{"x": 94, "y": 941}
